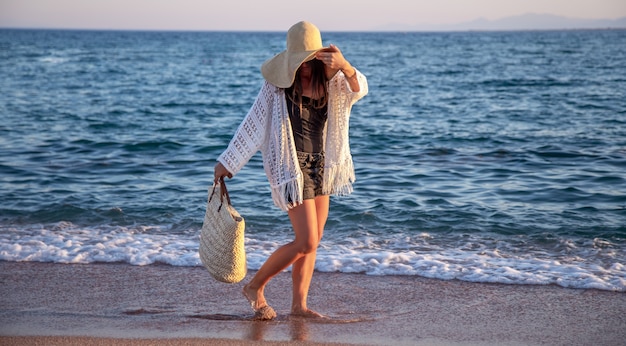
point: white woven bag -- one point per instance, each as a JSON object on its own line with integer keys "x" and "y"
{"x": 222, "y": 250}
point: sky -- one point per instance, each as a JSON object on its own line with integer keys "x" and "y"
{"x": 279, "y": 15}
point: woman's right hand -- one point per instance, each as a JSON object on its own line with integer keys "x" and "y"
{"x": 220, "y": 172}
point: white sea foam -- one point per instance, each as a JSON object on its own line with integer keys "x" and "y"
{"x": 67, "y": 243}
{"x": 54, "y": 60}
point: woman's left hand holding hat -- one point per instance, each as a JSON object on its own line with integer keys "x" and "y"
{"x": 335, "y": 61}
{"x": 332, "y": 58}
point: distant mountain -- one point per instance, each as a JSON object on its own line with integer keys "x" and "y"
{"x": 533, "y": 21}
{"x": 529, "y": 21}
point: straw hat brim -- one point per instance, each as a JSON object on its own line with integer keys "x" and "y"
{"x": 281, "y": 69}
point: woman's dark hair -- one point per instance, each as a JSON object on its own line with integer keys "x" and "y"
{"x": 319, "y": 85}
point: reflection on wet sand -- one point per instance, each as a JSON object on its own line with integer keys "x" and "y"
{"x": 298, "y": 329}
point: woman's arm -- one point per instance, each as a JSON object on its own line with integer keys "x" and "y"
{"x": 334, "y": 61}
{"x": 248, "y": 138}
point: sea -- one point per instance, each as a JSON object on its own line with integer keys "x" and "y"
{"x": 492, "y": 157}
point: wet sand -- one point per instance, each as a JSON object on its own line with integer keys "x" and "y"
{"x": 104, "y": 304}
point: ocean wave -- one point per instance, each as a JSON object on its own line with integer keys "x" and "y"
{"x": 582, "y": 264}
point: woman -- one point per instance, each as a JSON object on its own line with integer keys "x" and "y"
{"x": 299, "y": 122}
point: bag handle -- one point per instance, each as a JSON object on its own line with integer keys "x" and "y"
{"x": 223, "y": 192}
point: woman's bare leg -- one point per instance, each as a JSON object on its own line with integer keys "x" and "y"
{"x": 304, "y": 221}
{"x": 302, "y": 271}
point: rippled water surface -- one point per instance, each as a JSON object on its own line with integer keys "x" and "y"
{"x": 492, "y": 157}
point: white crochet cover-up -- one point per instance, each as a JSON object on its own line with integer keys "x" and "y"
{"x": 267, "y": 128}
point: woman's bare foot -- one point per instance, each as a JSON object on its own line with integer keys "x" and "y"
{"x": 265, "y": 313}
{"x": 253, "y": 298}
{"x": 262, "y": 311}
{"x": 306, "y": 313}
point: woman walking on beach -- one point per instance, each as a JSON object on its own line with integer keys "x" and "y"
{"x": 299, "y": 122}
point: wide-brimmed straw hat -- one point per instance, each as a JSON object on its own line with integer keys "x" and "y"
{"x": 303, "y": 41}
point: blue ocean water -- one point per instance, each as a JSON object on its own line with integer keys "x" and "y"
{"x": 480, "y": 156}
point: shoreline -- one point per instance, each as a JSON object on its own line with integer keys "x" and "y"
{"x": 77, "y": 304}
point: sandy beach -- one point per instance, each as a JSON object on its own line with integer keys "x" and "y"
{"x": 103, "y": 304}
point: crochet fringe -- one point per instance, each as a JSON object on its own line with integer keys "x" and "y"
{"x": 289, "y": 190}
{"x": 338, "y": 178}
